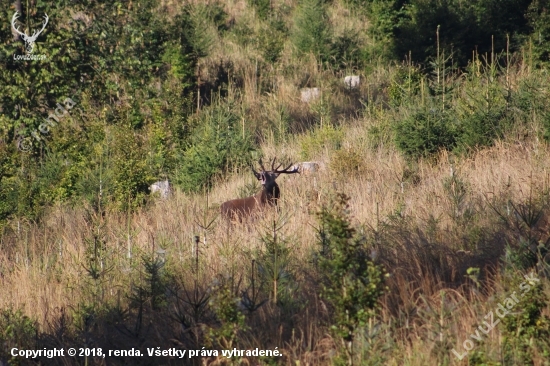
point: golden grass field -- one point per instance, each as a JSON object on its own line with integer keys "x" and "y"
{"x": 43, "y": 267}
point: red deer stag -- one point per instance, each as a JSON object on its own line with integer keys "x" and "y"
{"x": 269, "y": 195}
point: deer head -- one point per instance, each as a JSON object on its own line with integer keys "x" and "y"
{"x": 29, "y": 40}
{"x": 269, "y": 195}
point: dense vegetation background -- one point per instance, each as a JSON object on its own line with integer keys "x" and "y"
{"x": 399, "y": 272}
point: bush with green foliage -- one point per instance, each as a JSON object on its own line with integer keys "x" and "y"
{"x": 482, "y": 128}
{"x": 271, "y": 40}
{"x": 463, "y": 27}
{"x": 110, "y": 63}
{"x": 345, "y": 51}
{"x": 401, "y": 26}
{"x": 326, "y": 136}
{"x": 130, "y": 173}
{"x": 405, "y": 84}
{"x": 224, "y": 303}
{"x": 539, "y": 20}
{"x": 425, "y": 132}
{"x": 351, "y": 282}
{"x": 312, "y": 31}
{"x": 275, "y": 266}
{"x": 263, "y": 7}
{"x": 526, "y": 330}
{"x": 528, "y": 244}
{"x": 218, "y": 143}
{"x": 16, "y": 330}
{"x": 347, "y": 162}
{"x": 385, "y": 16}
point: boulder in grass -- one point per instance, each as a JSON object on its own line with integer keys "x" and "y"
{"x": 309, "y": 95}
{"x": 352, "y": 81}
{"x": 163, "y": 187}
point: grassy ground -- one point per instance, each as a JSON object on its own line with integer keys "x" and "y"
{"x": 424, "y": 238}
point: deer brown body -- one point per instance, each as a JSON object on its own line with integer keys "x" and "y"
{"x": 270, "y": 194}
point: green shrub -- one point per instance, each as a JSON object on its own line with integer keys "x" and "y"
{"x": 271, "y": 42}
{"x": 312, "y": 31}
{"x": 456, "y": 190}
{"x": 263, "y": 7}
{"x": 346, "y": 162}
{"x": 529, "y": 96}
{"x": 463, "y": 27}
{"x": 58, "y": 178}
{"x": 381, "y": 133}
{"x": 156, "y": 281}
{"x": 198, "y": 26}
{"x": 129, "y": 169}
{"x": 351, "y": 283}
{"x": 275, "y": 266}
{"x": 529, "y": 101}
{"x": 405, "y": 84}
{"x": 16, "y": 330}
{"x": 481, "y": 128}
{"x": 526, "y": 331}
{"x": 539, "y": 20}
{"x": 249, "y": 189}
{"x": 424, "y": 133}
{"x": 325, "y": 137}
{"x": 224, "y": 303}
{"x": 529, "y": 244}
{"x": 21, "y": 190}
{"x": 385, "y": 17}
{"x": 218, "y": 144}
{"x": 243, "y": 33}
{"x": 345, "y": 51}
{"x": 181, "y": 66}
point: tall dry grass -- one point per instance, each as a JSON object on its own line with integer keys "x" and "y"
{"x": 43, "y": 264}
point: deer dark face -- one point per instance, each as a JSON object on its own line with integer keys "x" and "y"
{"x": 271, "y": 192}
{"x": 269, "y": 185}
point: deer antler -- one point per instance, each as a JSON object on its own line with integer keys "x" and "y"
{"x": 262, "y": 164}
{"x": 16, "y": 29}
{"x": 286, "y": 171}
{"x": 273, "y": 164}
{"x": 254, "y": 170}
{"x": 35, "y": 34}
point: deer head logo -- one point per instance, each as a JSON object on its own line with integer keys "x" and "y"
{"x": 29, "y": 40}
